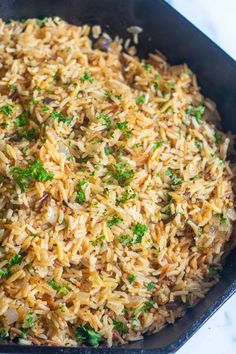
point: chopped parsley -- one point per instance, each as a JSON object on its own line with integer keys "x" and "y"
{"x": 41, "y": 22}
{"x": 99, "y": 240}
{"x": 139, "y": 230}
{"x": 7, "y": 109}
{"x": 176, "y": 180}
{"x": 223, "y": 220}
{"x": 30, "y": 320}
{"x": 45, "y": 108}
{"x": 135, "y": 312}
{"x": 4, "y": 272}
{"x": 60, "y": 118}
{"x": 155, "y": 85}
{"x": 120, "y": 326}
{"x": 196, "y": 112}
{"x": 218, "y": 138}
{"x": 127, "y": 195}
{"x": 169, "y": 172}
{"x": 147, "y": 306}
{"x": 131, "y": 278}
{"x": 121, "y": 174}
{"x": 85, "y": 334}
{"x": 86, "y": 77}
{"x": 13, "y": 86}
{"x": 123, "y": 238}
{"x": 106, "y": 191}
{"x": 123, "y": 126}
{"x": 17, "y": 259}
{"x": 148, "y": 68}
{"x": 30, "y": 134}
{"x": 3, "y": 334}
{"x": 35, "y": 171}
{"x": 140, "y": 99}
{"x": 105, "y": 118}
{"x": 197, "y": 144}
{"x": 114, "y": 221}
{"x": 61, "y": 289}
{"x": 157, "y": 144}
{"x": 150, "y": 286}
{"x": 22, "y": 120}
{"x": 108, "y": 150}
{"x": 108, "y": 94}
{"x": 213, "y": 271}
{"x": 80, "y": 197}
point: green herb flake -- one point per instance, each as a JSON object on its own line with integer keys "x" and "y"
{"x": 30, "y": 134}
{"x": 61, "y": 289}
{"x": 127, "y": 195}
{"x": 155, "y": 85}
{"x": 108, "y": 150}
{"x": 121, "y": 174}
{"x": 114, "y": 221}
{"x": 105, "y": 118}
{"x": 86, "y": 335}
{"x": 120, "y": 326}
{"x": 196, "y": 112}
{"x": 45, "y": 108}
{"x": 99, "y": 240}
{"x": 106, "y": 191}
{"x": 123, "y": 126}
{"x": 223, "y": 220}
{"x": 60, "y": 118}
{"x": 197, "y": 144}
{"x": 147, "y": 306}
{"x": 148, "y": 68}
{"x": 131, "y": 278}
{"x": 139, "y": 230}
{"x": 86, "y": 77}
{"x": 213, "y": 271}
{"x": 3, "y": 334}
{"x": 218, "y": 138}
{"x": 134, "y": 323}
{"x": 168, "y": 172}
{"x": 7, "y": 109}
{"x": 4, "y": 124}
{"x": 17, "y": 259}
{"x": 123, "y": 238}
{"x": 135, "y": 312}
{"x": 157, "y": 144}
{"x": 150, "y": 286}
{"x": 41, "y": 22}
{"x": 108, "y": 94}
{"x": 22, "y": 120}
{"x": 30, "y": 320}
{"x": 35, "y": 171}
{"x": 80, "y": 197}
{"x": 140, "y": 99}
{"x": 23, "y": 332}
{"x": 4, "y": 272}
{"x": 176, "y": 180}
{"x": 12, "y": 86}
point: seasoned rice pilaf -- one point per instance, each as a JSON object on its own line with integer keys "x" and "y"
{"x": 115, "y": 191}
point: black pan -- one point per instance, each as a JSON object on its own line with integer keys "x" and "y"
{"x": 181, "y": 42}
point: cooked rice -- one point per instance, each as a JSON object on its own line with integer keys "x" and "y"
{"x": 116, "y": 194}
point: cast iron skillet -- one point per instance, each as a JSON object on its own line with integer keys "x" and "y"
{"x": 181, "y": 42}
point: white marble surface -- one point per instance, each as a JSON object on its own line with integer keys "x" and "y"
{"x": 217, "y": 19}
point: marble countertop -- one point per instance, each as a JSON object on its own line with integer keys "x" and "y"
{"x": 216, "y": 18}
